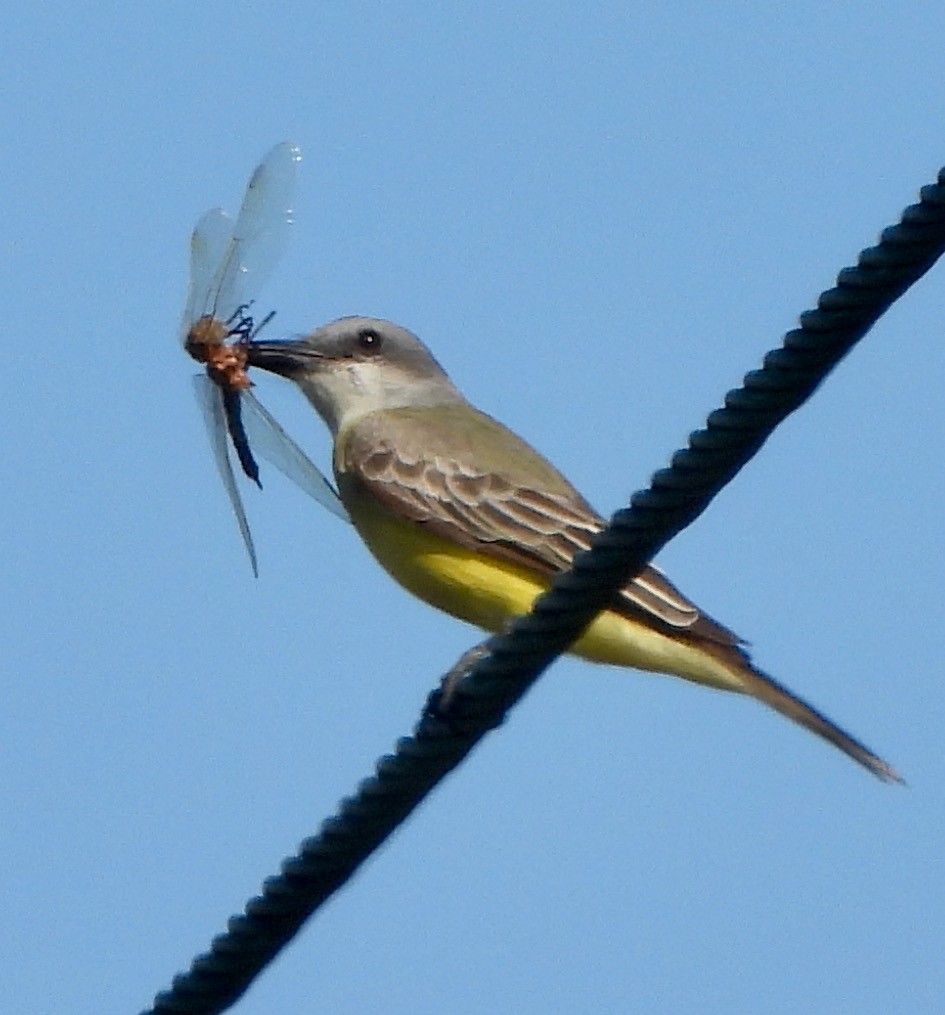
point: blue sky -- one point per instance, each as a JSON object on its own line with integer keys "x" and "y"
{"x": 598, "y": 220}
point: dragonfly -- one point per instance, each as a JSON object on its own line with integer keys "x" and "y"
{"x": 229, "y": 263}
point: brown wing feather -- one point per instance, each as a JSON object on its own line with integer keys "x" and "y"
{"x": 488, "y": 512}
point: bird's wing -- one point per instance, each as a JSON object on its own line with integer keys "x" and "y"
{"x": 486, "y": 511}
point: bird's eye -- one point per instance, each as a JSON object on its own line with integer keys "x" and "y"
{"x": 369, "y": 340}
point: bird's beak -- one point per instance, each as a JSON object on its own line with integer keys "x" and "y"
{"x": 287, "y": 358}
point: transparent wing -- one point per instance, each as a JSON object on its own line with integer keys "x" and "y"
{"x": 261, "y": 231}
{"x": 269, "y": 439}
{"x": 230, "y": 262}
{"x": 209, "y": 245}
{"x": 211, "y": 405}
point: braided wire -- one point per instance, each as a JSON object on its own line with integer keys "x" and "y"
{"x": 490, "y": 678}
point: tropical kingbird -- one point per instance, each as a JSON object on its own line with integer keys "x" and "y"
{"x": 468, "y": 517}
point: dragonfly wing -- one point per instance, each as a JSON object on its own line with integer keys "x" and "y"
{"x": 260, "y": 232}
{"x": 272, "y": 442}
{"x": 211, "y": 404}
{"x": 210, "y": 244}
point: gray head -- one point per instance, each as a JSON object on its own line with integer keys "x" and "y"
{"x": 357, "y": 365}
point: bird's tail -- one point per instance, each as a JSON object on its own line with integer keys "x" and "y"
{"x": 710, "y": 654}
{"x": 759, "y": 685}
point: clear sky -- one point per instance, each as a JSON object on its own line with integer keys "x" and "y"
{"x": 599, "y": 220}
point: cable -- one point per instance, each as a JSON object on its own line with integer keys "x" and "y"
{"x": 490, "y": 678}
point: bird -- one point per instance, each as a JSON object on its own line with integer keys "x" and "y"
{"x": 468, "y": 517}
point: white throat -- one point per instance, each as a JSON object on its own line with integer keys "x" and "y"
{"x": 347, "y": 391}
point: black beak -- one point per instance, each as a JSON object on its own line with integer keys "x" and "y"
{"x": 286, "y": 358}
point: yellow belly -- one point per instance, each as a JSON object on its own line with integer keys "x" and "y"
{"x": 488, "y": 593}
